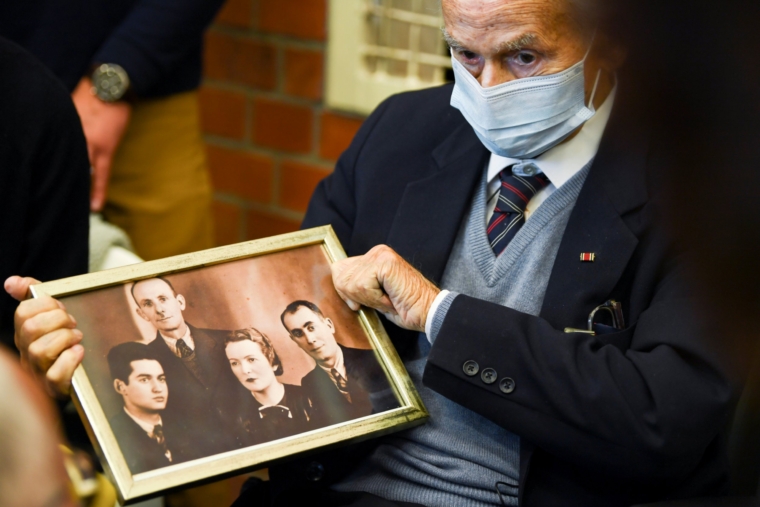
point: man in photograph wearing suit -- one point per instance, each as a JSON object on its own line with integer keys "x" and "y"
{"x": 141, "y": 431}
{"x": 346, "y": 383}
{"x": 193, "y": 360}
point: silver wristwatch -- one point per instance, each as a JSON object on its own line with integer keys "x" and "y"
{"x": 109, "y": 82}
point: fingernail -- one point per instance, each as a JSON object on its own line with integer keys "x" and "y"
{"x": 73, "y": 319}
{"x": 78, "y": 333}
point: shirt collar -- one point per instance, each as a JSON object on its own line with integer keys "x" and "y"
{"x": 187, "y": 337}
{"x": 561, "y": 163}
{"x": 147, "y": 427}
{"x": 339, "y": 365}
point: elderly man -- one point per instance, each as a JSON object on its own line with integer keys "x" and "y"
{"x": 528, "y": 192}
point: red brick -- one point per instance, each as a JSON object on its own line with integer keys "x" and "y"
{"x": 256, "y": 64}
{"x": 336, "y": 134}
{"x": 242, "y": 61}
{"x": 300, "y": 18}
{"x": 223, "y": 112}
{"x": 297, "y": 183}
{"x": 226, "y": 223}
{"x": 242, "y": 174}
{"x": 219, "y": 55}
{"x": 303, "y": 73}
{"x": 262, "y": 225}
{"x": 235, "y": 13}
{"x": 282, "y": 126}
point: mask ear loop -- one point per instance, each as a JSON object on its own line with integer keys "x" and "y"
{"x": 598, "y": 74}
{"x": 593, "y": 91}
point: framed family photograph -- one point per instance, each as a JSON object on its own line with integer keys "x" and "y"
{"x": 224, "y": 361}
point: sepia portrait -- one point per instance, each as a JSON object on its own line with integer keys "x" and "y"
{"x": 222, "y": 361}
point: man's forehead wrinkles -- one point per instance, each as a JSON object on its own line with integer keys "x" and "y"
{"x": 522, "y": 41}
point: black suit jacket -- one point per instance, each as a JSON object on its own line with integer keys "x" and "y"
{"x": 364, "y": 377}
{"x": 192, "y": 400}
{"x": 141, "y": 452}
{"x": 44, "y": 178}
{"x": 627, "y": 417}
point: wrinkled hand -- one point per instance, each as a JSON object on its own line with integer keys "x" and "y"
{"x": 383, "y": 280}
{"x": 104, "y": 125}
{"x": 46, "y": 336}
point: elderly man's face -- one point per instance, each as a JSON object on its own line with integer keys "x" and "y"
{"x": 503, "y": 40}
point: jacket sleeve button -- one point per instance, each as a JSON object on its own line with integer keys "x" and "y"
{"x": 315, "y": 471}
{"x": 470, "y": 368}
{"x": 488, "y": 376}
{"x": 507, "y": 385}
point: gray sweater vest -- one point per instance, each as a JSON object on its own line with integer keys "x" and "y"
{"x": 459, "y": 457}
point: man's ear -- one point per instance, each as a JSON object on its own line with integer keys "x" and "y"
{"x": 330, "y": 324}
{"x": 141, "y": 314}
{"x": 181, "y": 300}
{"x": 118, "y": 385}
{"x": 611, "y": 54}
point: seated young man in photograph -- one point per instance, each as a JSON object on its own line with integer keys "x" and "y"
{"x": 139, "y": 428}
{"x": 346, "y": 383}
{"x": 193, "y": 359}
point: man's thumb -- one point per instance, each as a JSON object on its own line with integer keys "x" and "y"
{"x": 18, "y": 287}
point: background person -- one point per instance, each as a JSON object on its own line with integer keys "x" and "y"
{"x": 343, "y": 378}
{"x": 142, "y": 127}
{"x": 144, "y": 437}
{"x": 265, "y": 409}
{"x": 44, "y": 178}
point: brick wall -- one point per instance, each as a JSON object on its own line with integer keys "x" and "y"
{"x": 269, "y": 137}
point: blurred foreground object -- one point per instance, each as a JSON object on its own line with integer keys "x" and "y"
{"x": 32, "y": 472}
{"x": 695, "y": 66}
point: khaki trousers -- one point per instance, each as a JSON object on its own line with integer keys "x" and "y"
{"x": 160, "y": 191}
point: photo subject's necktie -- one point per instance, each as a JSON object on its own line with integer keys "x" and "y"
{"x": 184, "y": 349}
{"x": 158, "y": 436}
{"x": 509, "y": 214}
{"x": 341, "y": 383}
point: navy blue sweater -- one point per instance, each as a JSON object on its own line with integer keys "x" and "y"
{"x": 158, "y": 42}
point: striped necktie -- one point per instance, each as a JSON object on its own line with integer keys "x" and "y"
{"x": 509, "y": 213}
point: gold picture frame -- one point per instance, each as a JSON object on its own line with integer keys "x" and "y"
{"x": 295, "y": 253}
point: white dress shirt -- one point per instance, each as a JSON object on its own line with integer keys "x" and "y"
{"x": 340, "y": 366}
{"x": 172, "y": 342}
{"x": 559, "y": 164}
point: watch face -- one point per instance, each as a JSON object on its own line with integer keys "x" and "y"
{"x": 110, "y": 82}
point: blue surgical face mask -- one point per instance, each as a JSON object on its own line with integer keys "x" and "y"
{"x": 525, "y": 117}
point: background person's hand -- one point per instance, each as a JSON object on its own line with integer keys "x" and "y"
{"x": 104, "y": 125}
{"x": 46, "y": 336}
{"x": 383, "y": 280}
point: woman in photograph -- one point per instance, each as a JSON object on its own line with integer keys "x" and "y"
{"x": 266, "y": 409}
